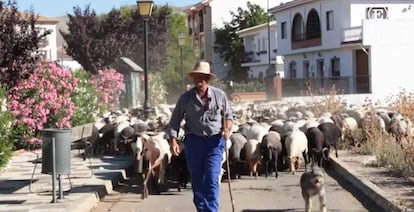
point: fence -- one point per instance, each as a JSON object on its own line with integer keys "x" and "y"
{"x": 343, "y": 85}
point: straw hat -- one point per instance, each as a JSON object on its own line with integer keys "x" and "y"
{"x": 202, "y": 68}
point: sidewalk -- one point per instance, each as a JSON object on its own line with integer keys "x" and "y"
{"x": 87, "y": 188}
{"x": 392, "y": 193}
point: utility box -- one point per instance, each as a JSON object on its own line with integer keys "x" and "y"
{"x": 132, "y": 78}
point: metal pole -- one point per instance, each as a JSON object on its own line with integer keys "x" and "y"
{"x": 182, "y": 69}
{"x": 60, "y": 186}
{"x": 53, "y": 170}
{"x": 268, "y": 36}
{"x": 146, "y": 104}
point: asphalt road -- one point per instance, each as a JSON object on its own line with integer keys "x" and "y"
{"x": 250, "y": 195}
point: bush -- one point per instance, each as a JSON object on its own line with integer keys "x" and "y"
{"x": 157, "y": 89}
{"x": 86, "y": 100}
{"x": 250, "y": 86}
{"x": 108, "y": 85}
{"x": 6, "y": 145}
{"x": 42, "y": 101}
{"x": 398, "y": 157}
{"x": 325, "y": 100}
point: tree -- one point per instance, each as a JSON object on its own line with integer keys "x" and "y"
{"x": 98, "y": 41}
{"x": 19, "y": 39}
{"x": 230, "y": 46}
{"x": 173, "y": 77}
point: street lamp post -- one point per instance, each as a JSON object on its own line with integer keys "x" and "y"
{"x": 181, "y": 43}
{"x": 197, "y": 53}
{"x": 145, "y": 9}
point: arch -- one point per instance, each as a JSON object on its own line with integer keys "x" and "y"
{"x": 298, "y": 28}
{"x": 313, "y": 25}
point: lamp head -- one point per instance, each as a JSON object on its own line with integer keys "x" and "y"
{"x": 181, "y": 39}
{"x": 145, "y": 7}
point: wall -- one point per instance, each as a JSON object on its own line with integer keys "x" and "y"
{"x": 391, "y": 44}
{"x": 51, "y": 47}
{"x": 396, "y": 9}
{"x": 347, "y": 14}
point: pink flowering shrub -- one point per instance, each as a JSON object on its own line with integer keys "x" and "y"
{"x": 108, "y": 84}
{"x": 42, "y": 100}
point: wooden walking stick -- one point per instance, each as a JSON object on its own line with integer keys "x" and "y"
{"x": 227, "y": 160}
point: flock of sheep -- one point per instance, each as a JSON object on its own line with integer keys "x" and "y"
{"x": 273, "y": 136}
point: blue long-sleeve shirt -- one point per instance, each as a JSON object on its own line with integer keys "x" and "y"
{"x": 200, "y": 120}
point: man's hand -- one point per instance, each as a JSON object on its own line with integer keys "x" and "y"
{"x": 226, "y": 134}
{"x": 174, "y": 147}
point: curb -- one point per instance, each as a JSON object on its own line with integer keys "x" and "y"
{"x": 86, "y": 204}
{"x": 366, "y": 187}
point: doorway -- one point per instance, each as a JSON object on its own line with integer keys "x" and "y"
{"x": 362, "y": 71}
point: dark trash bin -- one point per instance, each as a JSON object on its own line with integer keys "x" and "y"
{"x": 62, "y": 150}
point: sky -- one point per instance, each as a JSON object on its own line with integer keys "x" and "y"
{"x": 56, "y": 8}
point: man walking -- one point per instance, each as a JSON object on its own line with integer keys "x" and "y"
{"x": 208, "y": 120}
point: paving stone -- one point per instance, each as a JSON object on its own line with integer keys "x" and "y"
{"x": 14, "y": 184}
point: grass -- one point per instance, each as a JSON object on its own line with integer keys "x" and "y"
{"x": 325, "y": 100}
{"x": 370, "y": 139}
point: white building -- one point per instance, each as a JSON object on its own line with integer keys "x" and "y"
{"x": 63, "y": 58}
{"x": 67, "y": 61}
{"x": 256, "y": 45}
{"x": 47, "y": 46}
{"x": 362, "y": 46}
{"x": 207, "y": 15}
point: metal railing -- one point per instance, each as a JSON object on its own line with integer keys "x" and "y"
{"x": 325, "y": 85}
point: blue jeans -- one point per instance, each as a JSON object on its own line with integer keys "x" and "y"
{"x": 204, "y": 158}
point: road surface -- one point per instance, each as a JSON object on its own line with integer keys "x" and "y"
{"x": 250, "y": 195}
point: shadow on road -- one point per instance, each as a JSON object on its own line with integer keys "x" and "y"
{"x": 133, "y": 184}
{"x": 365, "y": 201}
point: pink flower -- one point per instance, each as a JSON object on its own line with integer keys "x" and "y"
{"x": 108, "y": 84}
{"x": 43, "y": 100}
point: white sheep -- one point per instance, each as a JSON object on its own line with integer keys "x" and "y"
{"x": 349, "y": 124}
{"x": 297, "y": 148}
{"x": 253, "y": 156}
{"x": 256, "y": 131}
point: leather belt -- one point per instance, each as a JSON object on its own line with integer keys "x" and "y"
{"x": 205, "y": 136}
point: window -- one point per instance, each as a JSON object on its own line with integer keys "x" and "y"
{"x": 329, "y": 20}
{"x": 258, "y": 45}
{"x": 335, "y": 67}
{"x": 283, "y": 30}
{"x": 298, "y": 28}
{"x": 313, "y": 25}
{"x": 42, "y": 54}
{"x": 306, "y": 67}
{"x": 292, "y": 69}
{"x": 264, "y": 44}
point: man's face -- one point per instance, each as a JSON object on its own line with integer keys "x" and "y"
{"x": 200, "y": 80}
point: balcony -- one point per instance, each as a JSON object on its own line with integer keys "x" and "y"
{"x": 306, "y": 40}
{"x": 306, "y": 43}
{"x": 352, "y": 35}
{"x": 249, "y": 57}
